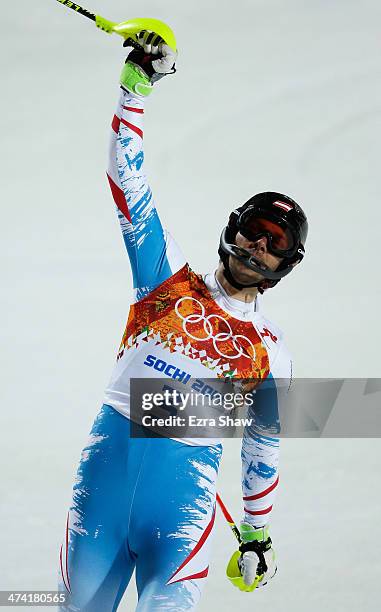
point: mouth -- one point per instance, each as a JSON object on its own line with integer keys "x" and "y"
{"x": 259, "y": 260}
{"x": 244, "y": 271}
{"x": 248, "y": 253}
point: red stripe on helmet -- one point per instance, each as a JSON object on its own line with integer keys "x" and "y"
{"x": 283, "y": 205}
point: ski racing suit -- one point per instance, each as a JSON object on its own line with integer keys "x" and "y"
{"x": 149, "y": 504}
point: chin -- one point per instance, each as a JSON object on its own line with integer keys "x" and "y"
{"x": 247, "y": 279}
{"x": 244, "y": 275}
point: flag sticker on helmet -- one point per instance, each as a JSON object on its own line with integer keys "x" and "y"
{"x": 283, "y": 206}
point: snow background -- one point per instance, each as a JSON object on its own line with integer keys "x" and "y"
{"x": 269, "y": 94}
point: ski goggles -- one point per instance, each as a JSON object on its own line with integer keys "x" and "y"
{"x": 280, "y": 238}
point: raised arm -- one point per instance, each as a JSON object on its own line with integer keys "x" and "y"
{"x": 153, "y": 254}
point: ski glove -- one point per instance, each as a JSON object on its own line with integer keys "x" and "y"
{"x": 150, "y": 60}
{"x": 254, "y": 563}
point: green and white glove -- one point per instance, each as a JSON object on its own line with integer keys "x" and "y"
{"x": 254, "y": 563}
{"x": 150, "y": 60}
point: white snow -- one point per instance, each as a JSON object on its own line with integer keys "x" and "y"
{"x": 269, "y": 94}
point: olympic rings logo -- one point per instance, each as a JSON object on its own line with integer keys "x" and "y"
{"x": 221, "y": 336}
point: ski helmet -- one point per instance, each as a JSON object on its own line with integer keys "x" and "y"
{"x": 277, "y": 217}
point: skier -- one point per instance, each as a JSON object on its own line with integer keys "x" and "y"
{"x": 148, "y": 504}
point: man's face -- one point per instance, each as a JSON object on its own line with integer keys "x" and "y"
{"x": 258, "y": 248}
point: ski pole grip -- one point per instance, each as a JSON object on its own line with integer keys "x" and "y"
{"x": 104, "y": 24}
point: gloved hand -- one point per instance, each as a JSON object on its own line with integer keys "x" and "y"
{"x": 254, "y": 563}
{"x": 150, "y": 60}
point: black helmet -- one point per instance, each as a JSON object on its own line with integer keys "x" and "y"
{"x": 253, "y": 220}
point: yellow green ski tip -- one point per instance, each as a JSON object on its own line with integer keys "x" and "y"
{"x": 128, "y": 29}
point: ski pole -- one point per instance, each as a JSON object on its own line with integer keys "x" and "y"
{"x": 229, "y": 519}
{"x": 78, "y": 9}
{"x": 126, "y": 29}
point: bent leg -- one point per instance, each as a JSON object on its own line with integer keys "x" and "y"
{"x": 95, "y": 561}
{"x": 174, "y": 525}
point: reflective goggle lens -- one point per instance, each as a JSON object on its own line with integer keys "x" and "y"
{"x": 281, "y": 239}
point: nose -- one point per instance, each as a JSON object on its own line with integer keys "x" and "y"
{"x": 260, "y": 244}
